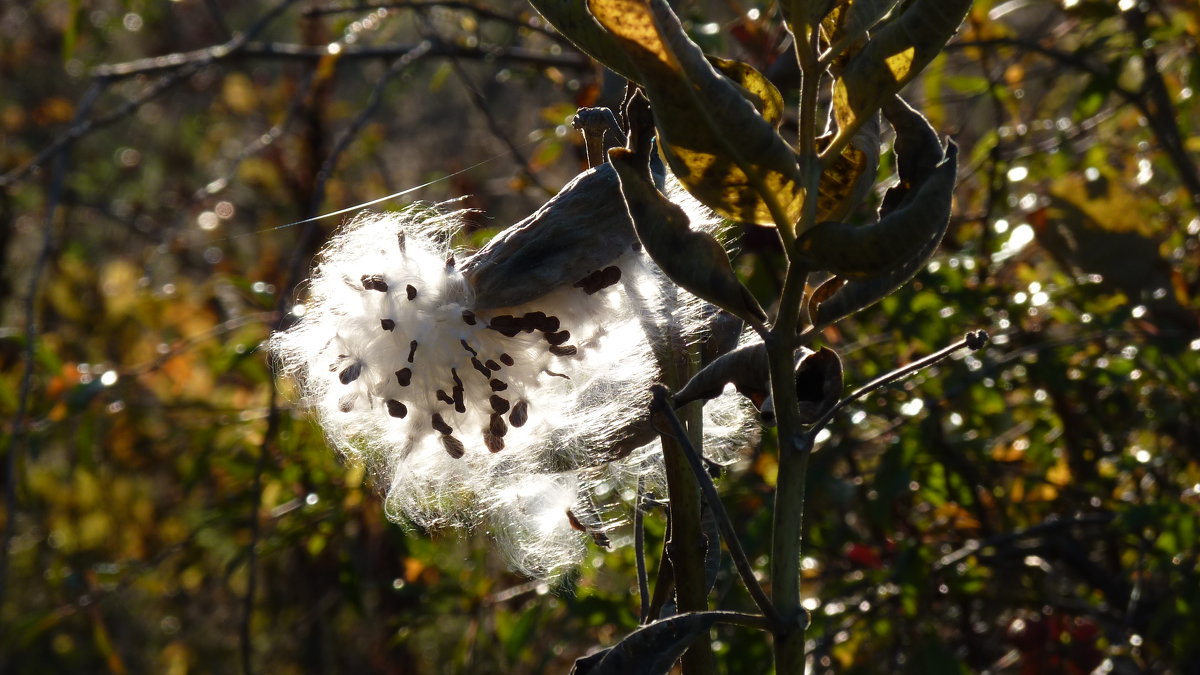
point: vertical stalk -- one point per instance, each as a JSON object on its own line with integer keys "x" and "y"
{"x": 795, "y": 444}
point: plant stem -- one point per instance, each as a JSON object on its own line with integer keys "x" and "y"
{"x": 741, "y": 561}
{"x": 794, "y": 445}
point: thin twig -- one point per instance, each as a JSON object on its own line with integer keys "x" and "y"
{"x": 974, "y": 340}
{"x": 187, "y": 64}
{"x": 639, "y": 552}
{"x": 244, "y": 634}
{"x": 360, "y": 120}
{"x": 477, "y": 10}
{"x": 18, "y": 436}
{"x": 728, "y": 532}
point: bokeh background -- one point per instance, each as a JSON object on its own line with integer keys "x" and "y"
{"x": 1030, "y": 508}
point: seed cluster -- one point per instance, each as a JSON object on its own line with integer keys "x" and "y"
{"x": 491, "y": 395}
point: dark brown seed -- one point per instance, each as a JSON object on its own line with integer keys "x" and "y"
{"x": 505, "y": 324}
{"x": 374, "y": 282}
{"x": 497, "y": 426}
{"x": 499, "y": 403}
{"x": 559, "y": 337}
{"x": 450, "y": 261}
{"x": 459, "y": 405}
{"x": 554, "y": 374}
{"x": 494, "y": 443}
{"x": 520, "y": 414}
{"x": 387, "y": 324}
{"x": 498, "y": 385}
{"x": 412, "y": 350}
{"x": 346, "y": 403}
{"x": 575, "y": 524}
{"x": 396, "y": 408}
{"x": 411, "y": 291}
{"x": 457, "y": 379}
{"x": 453, "y": 447}
{"x": 506, "y": 359}
{"x": 468, "y": 347}
{"x": 400, "y": 241}
{"x": 478, "y": 365}
{"x": 563, "y": 350}
{"x": 350, "y": 373}
{"x": 468, "y": 317}
{"x": 404, "y": 376}
{"x": 600, "y": 279}
{"x": 444, "y": 397}
{"x": 539, "y": 321}
{"x": 492, "y": 365}
{"x": 440, "y": 424}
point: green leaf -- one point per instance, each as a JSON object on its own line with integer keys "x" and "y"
{"x": 714, "y": 139}
{"x": 694, "y": 260}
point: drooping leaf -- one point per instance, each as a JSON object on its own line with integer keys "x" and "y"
{"x": 745, "y": 367}
{"x": 572, "y": 19}
{"x": 549, "y": 248}
{"x": 918, "y": 152}
{"x": 893, "y": 56}
{"x": 847, "y": 296}
{"x": 868, "y": 250}
{"x": 713, "y": 138}
{"x": 652, "y": 649}
{"x": 694, "y": 260}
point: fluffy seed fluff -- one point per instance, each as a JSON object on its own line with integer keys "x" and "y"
{"x": 528, "y": 421}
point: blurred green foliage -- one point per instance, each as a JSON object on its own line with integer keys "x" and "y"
{"x": 1030, "y": 508}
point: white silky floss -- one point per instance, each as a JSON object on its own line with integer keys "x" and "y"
{"x": 501, "y": 418}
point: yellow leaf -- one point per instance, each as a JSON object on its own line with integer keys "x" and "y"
{"x": 714, "y": 139}
{"x": 901, "y": 64}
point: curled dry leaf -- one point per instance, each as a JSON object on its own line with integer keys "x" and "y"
{"x": 649, "y": 650}
{"x": 868, "y": 250}
{"x": 694, "y": 260}
{"x": 919, "y": 155}
{"x": 850, "y": 177}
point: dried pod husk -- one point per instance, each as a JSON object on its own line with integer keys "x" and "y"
{"x": 818, "y": 384}
{"x": 581, "y": 229}
{"x": 724, "y": 330}
{"x": 695, "y": 260}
